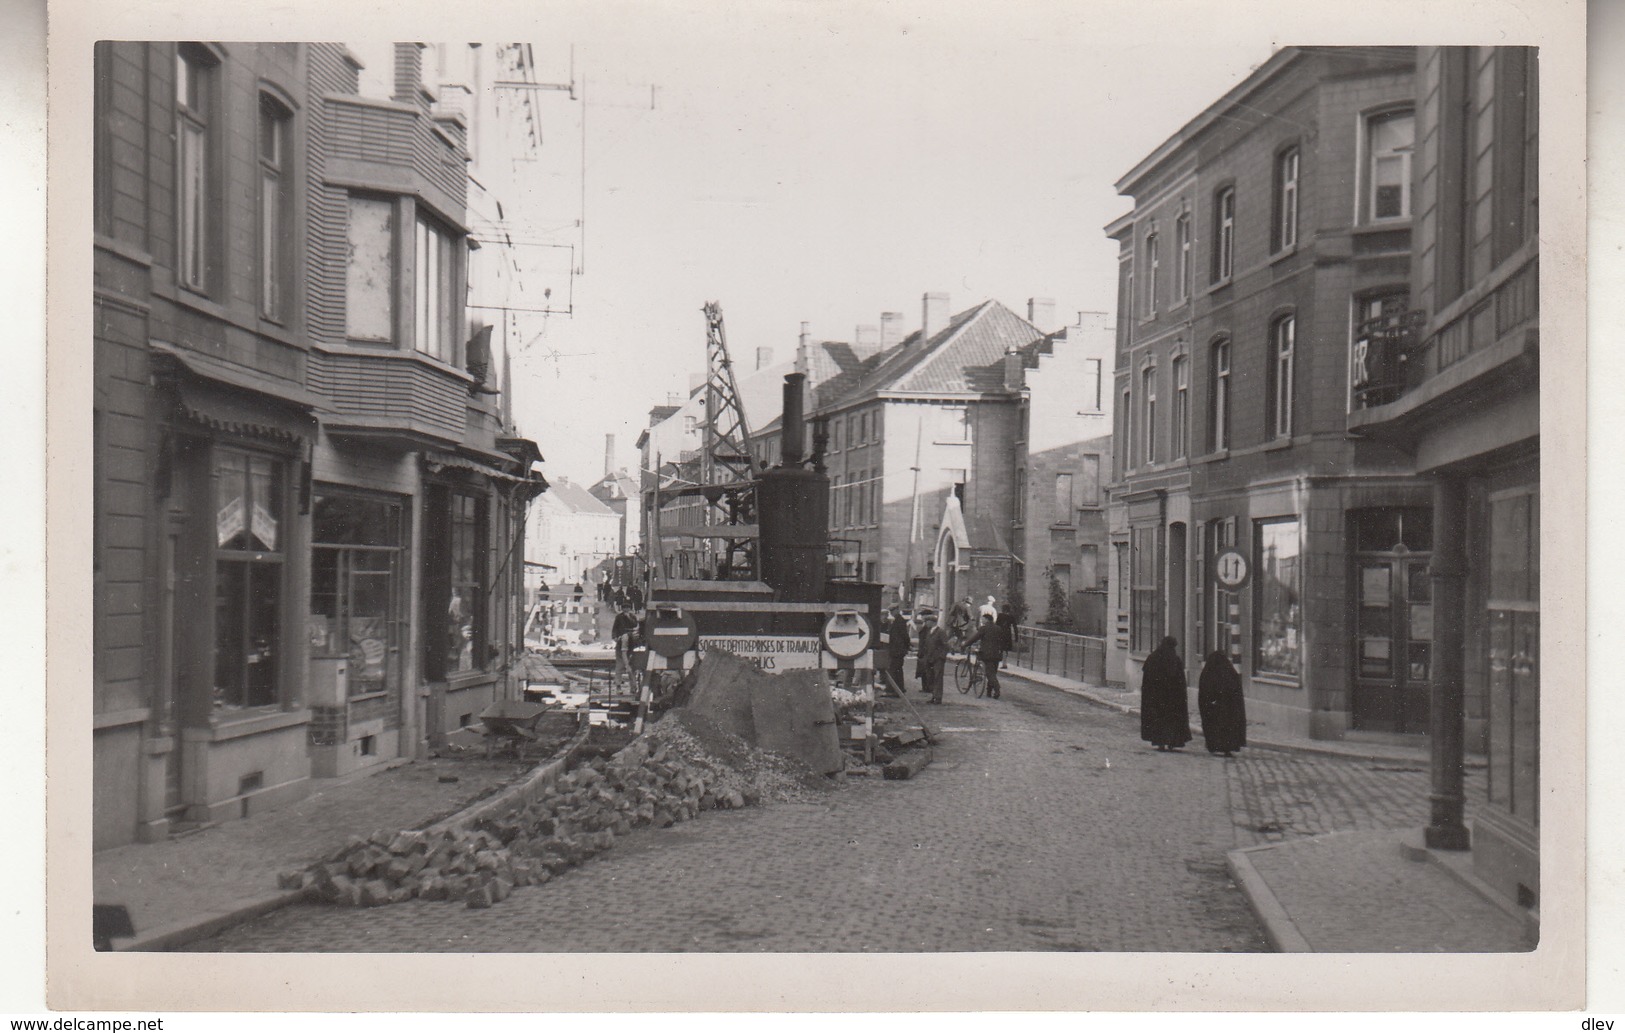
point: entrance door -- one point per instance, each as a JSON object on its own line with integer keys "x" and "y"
{"x": 1393, "y": 643}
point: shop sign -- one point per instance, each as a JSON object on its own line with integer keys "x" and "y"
{"x": 769, "y": 652}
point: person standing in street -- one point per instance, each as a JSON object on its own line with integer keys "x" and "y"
{"x": 1164, "y": 714}
{"x": 1221, "y": 705}
{"x": 933, "y": 654}
{"x": 622, "y": 631}
{"x": 897, "y": 645}
{"x": 959, "y": 620}
{"x": 991, "y": 642}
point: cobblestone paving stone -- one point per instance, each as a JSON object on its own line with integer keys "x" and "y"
{"x": 1280, "y": 796}
{"x": 207, "y": 870}
{"x": 1043, "y": 824}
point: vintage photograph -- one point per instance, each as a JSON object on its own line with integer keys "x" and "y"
{"x": 878, "y": 486}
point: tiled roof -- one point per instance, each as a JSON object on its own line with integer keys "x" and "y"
{"x": 965, "y": 356}
{"x": 576, "y": 498}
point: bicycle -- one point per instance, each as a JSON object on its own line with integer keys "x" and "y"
{"x": 969, "y": 676}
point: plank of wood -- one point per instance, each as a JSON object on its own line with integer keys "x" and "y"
{"x": 908, "y": 765}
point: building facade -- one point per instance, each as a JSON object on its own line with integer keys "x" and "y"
{"x": 1455, "y": 382}
{"x": 1263, "y": 236}
{"x": 305, "y": 512}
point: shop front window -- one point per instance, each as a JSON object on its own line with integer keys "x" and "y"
{"x": 249, "y": 533}
{"x": 465, "y": 614}
{"x": 354, "y": 595}
{"x": 1145, "y": 620}
{"x": 1514, "y": 652}
{"x": 1277, "y": 608}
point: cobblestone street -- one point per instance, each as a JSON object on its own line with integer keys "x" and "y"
{"x": 1044, "y": 824}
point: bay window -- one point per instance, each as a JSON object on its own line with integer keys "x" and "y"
{"x": 435, "y": 297}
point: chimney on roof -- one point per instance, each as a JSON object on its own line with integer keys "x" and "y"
{"x": 1041, "y": 313}
{"x": 673, "y": 398}
{"x": 891, "y": 329}
{"x": 409, "y": 75}
{"x": 764, "y": 358}
{"x": 1092, "y": 321}
{"x": 1015, "y": 371}
{"x": 609, "y": 454}
{"x": 865, "y": 340}
{"x": 934, "y": 314}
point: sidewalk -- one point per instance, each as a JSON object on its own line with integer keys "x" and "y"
{"x": 189, "y": 886}
{"x": 1368, "y": 891}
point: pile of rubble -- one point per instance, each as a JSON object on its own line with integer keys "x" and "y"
{"x": 667, "y": 776}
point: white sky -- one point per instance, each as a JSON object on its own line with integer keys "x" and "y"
{"x": 826, "y": 164}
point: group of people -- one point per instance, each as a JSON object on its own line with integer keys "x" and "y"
{"x": 991, "y": 639}
{"x": 627, "y": 595}
{"x": 1164, "y": 715}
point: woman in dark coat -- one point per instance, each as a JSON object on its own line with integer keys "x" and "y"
{"x": 1221, "y": 704}
{"x": 1164, "y": 716}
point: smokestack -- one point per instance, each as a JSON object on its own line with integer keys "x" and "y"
{"x": 792, "y": 437}
{"x": 1041, "y": 313}
{"x": 804, "y": 349}
{"x": 891, "y": 329}
{"x": 934, "y": 314}
{"x": 609, "y": 454}
{"x": 764, "y": 358}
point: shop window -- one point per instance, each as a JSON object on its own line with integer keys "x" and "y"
{"x": 273, "y": 214}
{"x": 465, "y": 616}
{"x": 370, "y": 271}
{"x": 435, "y": 298}
{"x": 249, "y": 539}
{"x": 195, "y": 73}
{"x": 1145, "y": 560}
{"x": 1277, "y": 594}
{"x": 1514, "y": 652}
{"x": 355, "y": 569}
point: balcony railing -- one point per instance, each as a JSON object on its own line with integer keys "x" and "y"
{"x": 1078, "y": 657}
{"x": 1392, "y": 357}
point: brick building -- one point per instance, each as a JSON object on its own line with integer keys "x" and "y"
{"x": 304, "y": 509}
{"x": 1263, "y": 235}
{"x": 1457, "y": 386}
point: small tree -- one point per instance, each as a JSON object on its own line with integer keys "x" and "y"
{"x": 1060, "y": 610}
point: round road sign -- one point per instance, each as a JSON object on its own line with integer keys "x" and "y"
{"x": 847, "y": 634}
{"x": 671, "y": 633}
{"x": 1230, "y": 568}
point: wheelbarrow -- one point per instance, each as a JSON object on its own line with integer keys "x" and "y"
{"x": 512, "y": 723}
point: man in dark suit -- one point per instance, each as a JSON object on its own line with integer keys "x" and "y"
{"x": 897, "y": 645}
{"x": 933, "y": 651}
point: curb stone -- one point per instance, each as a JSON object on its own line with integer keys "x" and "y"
{"x": 1279, "y": 929}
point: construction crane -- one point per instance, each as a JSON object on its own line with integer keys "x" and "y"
{"x": 728, "y": 531}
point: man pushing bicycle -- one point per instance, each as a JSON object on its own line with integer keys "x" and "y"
{"x": 992, "y": 641}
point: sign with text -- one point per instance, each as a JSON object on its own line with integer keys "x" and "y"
{"x": 769, "y": 652}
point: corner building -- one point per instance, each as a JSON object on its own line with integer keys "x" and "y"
{"x": 1264, "y": 235}
{"x": 305, "y": 509}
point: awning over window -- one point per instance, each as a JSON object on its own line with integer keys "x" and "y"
{"x": 241, "y": 412}
{"x": 435, "y": 462}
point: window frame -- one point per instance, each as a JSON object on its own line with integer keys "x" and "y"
{"x": 1182, "y": 247}
{"x": 274, "y": 216}
{"x": 436, "y": 307}
{"x": 1182, "y": 406}
{"x": 1369, "y": 123}
{"x": 1148, "y": 410}
{"x": 391, "y": 235}
{"x": 1224, "y": 234}
{"x": 1281, "y": 386}
{"x": 1219, "y": 394}
{"x": 1288, "y": 167}
{"x": 1064, "y": 515}
{"x": 1153, "y": 273}
{"x": 271, "y": 556}
{"x": 196, "y": 100}
{"x": 1261, "y": 666}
